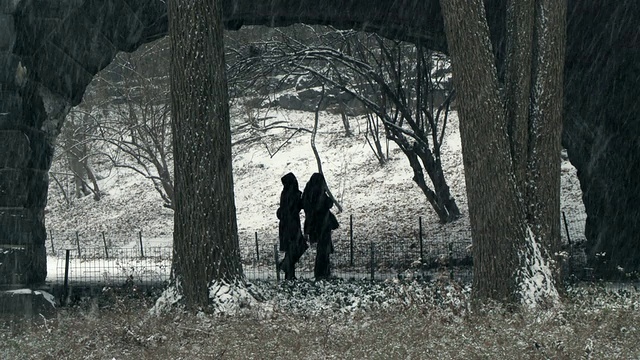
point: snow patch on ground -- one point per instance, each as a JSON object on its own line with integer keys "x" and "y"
{"x": 340, "y": 297}
{"x": 225, "y": 299}
{"x": 47, "y": 296}
{"x": 325, "y": 298}
{"x": 168, "y": 300}
{"x": 233, "y": 299}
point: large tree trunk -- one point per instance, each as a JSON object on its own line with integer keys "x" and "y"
{"x": 533, "y": 83}
{"x": 205, "y": 229}
{"x": 494, "y": 212}
{"x": 547, "y": 98}
{"x": 511, "y": 145}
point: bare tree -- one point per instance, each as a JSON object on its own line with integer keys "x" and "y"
{"x": 316, "y": 154}
{"x": 131, "y": 99}
{"x": 394, "y": 80}
{"x": 372, "y": 134}
{"x": 77, "y": 149}
{"x": 136, "y": 122}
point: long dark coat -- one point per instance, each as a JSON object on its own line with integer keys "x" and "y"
{"x": 292, "y": 242}
{"x": 288, "y": 213}
{"x": 316, "y": 206}
{"x": 319, "y": 222}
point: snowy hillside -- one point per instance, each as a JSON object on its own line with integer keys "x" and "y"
{"x": 384, "y": 200}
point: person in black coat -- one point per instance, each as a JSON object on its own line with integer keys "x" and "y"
{"x": 319, "y": 222}
{"x": 292, "y": 242}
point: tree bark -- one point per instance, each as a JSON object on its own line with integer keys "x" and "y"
{"x": 547, "y": 98}
{"x": 205, "y": 228}
{"x": 519, "y": 44}
{"x": 511, "y": 145}
{"x": 494, "y": 212}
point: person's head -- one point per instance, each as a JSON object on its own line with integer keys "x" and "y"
{"x": 317, "y": 180}
{"x": 289, "y": 180}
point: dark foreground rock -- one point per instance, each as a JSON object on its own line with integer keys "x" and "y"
{"x": 26, "y": 303}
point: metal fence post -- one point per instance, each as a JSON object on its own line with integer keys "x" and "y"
{"x": 373, "y": 264}
{"x": 275, "y": 256}
{"x": 53, "y": 249}
{"x": 141, "y": 248}
{"x": 257, "y": 249}
{"x": 566, "y": 230}
{"x": 566, "y": 227}
{"x": 351, "y": 240}
{"x": 65, "y": 288}
{"x": 106, "y": 251}
{"x": 78, "y": 243}
{"x": 420, "y": 236}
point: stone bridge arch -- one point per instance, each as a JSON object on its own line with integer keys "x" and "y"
{"x": 51, "y": 49}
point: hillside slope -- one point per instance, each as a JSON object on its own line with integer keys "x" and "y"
{"x": 384, "y": 200}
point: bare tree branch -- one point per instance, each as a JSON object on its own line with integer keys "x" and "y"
{"x": 315, "y": 150}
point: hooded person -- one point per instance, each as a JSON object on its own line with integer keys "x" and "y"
{"x": 292, "y": 242}
{"x": 319, "y": 222}
{"x": 313, "y": 208}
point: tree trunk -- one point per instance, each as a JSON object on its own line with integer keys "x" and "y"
{"x": 443, "y": 197}
{"x": 547, "y": 98}
{"x": 76, "y": 149}
{"x": 205, "y": 229}
{"x": 419, "y": 179}
{"x": 94, "y": 181}
{"x": 511, "y": 145}
{"x": 519, "y": 44}
{"x": 494, "y": 212}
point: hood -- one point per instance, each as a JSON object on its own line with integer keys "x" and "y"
{"x": 289, "y": 180}
{"x": 317, "y": 180}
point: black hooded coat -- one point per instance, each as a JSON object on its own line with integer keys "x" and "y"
{"x": 288, "y": 213}
{"x": 319, "y": 222}
{"x": 292, "y": 242}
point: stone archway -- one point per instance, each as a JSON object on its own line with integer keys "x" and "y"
{"x": 50, "y": 51}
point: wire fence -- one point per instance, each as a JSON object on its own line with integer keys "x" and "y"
{"x": 93, "y": 258}
{"x": 362, "y": 261}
